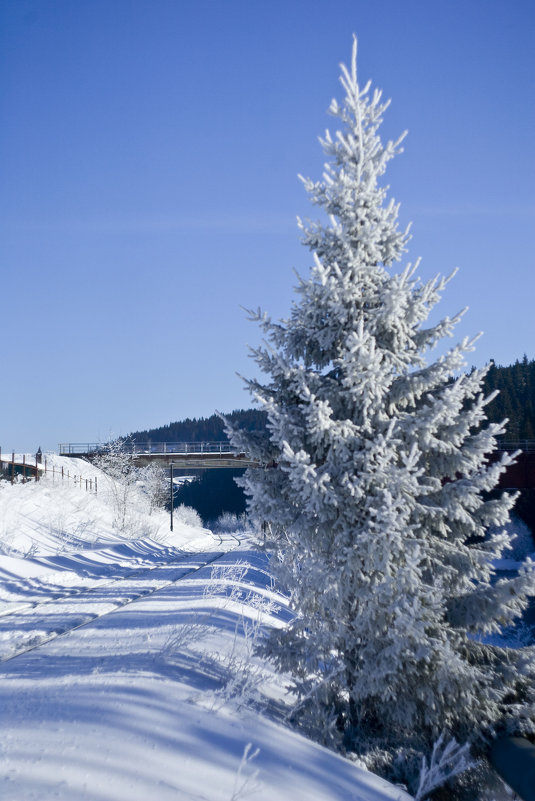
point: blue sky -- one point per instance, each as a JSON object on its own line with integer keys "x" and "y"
{"x": 149, "y": 152}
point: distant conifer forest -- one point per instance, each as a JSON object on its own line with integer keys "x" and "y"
{"x": 202, "y": 429}
{"x": 216, "y": 492}
{"x": 516, "y": 399}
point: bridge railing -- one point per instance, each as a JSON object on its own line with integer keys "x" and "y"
{"x": 524, "y": 445}
{"x": 81, "y": 448}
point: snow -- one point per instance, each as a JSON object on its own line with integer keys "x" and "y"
{"x": 127, "y": 661}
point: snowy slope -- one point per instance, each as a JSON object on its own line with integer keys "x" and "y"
{"x": 127, "y": 662}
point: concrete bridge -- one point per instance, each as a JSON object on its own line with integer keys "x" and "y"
{"x": 182, "y": 455}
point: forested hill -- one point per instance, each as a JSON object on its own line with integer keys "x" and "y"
{"x": 516, "y": 400}
{"x": 203, "y": 429}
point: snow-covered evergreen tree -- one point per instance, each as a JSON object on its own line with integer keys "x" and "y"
{"x": 375, "y": 491}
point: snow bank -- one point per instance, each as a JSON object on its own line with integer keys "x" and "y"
{"x": 153, "y": 690}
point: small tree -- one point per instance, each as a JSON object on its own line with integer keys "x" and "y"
{"x": 375, "y": 491}
{"x": 155, "y": 484}
{"x": 117, "y": 460}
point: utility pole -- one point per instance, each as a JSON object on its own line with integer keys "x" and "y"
{"x": 172, "y": 496}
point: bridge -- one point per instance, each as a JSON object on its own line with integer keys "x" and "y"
{"x": 182, "y": 455}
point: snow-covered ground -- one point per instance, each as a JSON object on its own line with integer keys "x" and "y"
{"x": 127, "y": 667}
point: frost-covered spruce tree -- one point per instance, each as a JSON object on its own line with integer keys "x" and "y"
{"x": 375, "y": 490}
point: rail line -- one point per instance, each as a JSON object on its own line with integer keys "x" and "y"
{"x": 59, "y": 627}
{"x": 101, "y": 585}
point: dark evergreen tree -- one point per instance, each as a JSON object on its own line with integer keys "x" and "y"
{"x": 516, "y": 398}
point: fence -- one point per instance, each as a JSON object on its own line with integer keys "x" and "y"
{"x": 36, "y": 468}
{"x": 91, "y": 484}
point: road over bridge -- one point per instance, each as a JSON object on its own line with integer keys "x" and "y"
{"x": 182, "y": 455}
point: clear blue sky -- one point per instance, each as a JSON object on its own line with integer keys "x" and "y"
{"x": 149, "y": 151}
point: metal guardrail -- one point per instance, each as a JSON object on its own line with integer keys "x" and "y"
{"x": 182, "y": 448}
{"x": 524, "y": 445}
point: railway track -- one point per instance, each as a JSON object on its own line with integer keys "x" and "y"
{"x": 73, "y": 592}
{"x": 38, "y": 623}
{"x": 102, "y": 584}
